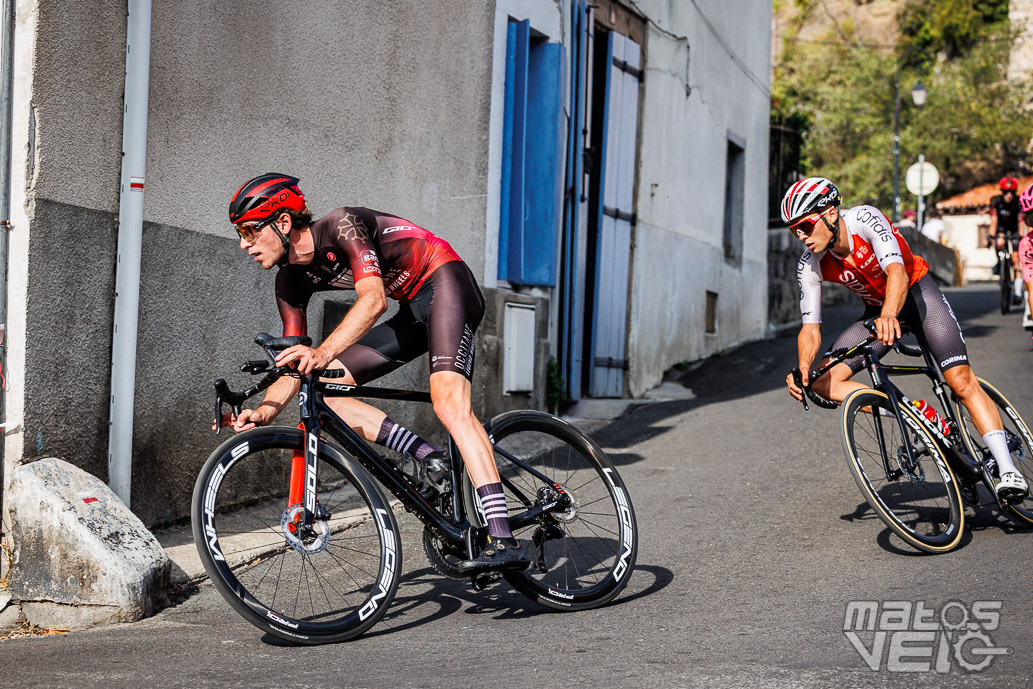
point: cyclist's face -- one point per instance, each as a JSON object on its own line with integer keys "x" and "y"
{"x": 265, "y": 248}
{"x": 811, "y": 231}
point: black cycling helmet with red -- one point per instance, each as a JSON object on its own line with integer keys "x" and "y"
{"x": 261, "y": 200}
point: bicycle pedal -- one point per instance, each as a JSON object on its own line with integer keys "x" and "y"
{"x": 485, "y": 579}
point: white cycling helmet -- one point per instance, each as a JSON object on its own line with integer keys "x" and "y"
{"x": 808, "y": 196}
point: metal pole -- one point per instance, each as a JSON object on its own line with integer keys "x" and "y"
{"x": 130, "y": 241}
{"x": 896, "y": 149}
{"x": 921, "y": 196}
{"x": 6, "y": 102}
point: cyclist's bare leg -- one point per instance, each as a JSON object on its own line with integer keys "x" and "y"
{"x": 962, "y": 380}
{"x": 365, "y": 419}
{"x": 451, "y": 394}
{"x": 836, "y": 384}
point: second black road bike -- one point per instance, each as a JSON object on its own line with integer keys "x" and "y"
{"x": 914, "y": 475}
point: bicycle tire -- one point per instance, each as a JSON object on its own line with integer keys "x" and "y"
{"x": 1018, "y": 435}
{"x": 921, "y": 504}
{"x": 335, "y": 586}
{"x": 1006, "y": 286}
{"x": 583, "y": 557}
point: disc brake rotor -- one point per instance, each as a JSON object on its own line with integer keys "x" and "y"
{"x": 307, "y": 541}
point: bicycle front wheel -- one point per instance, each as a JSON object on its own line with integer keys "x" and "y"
{"x": 581, "y": 555}
{"x": 1020, "y": 442}
{"x": 309, "y": 586}
{"x": 916, "y": 498}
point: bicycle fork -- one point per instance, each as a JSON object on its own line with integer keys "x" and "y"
{"x": 304, "y": 462}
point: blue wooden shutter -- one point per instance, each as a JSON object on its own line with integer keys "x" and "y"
{"x": 531, "y": 159}
{"x": 613, "y": 245}
{"x": 512, "y": 211}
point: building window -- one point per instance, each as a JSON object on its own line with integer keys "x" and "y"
{"x": 734, "y": 191}
{"x": 532, "y": 158}
{"x": 711, "y": 313}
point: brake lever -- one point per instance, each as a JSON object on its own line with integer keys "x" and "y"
{"x": 798, "y": 380}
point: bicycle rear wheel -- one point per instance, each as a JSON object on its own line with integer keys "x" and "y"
{"x": 1006, "y": 285}
{"x": 582, "y": 556}
{"x": 1020, "y": 442}
{"x": 917, "y": 499}
{"x": 328, "y": 585}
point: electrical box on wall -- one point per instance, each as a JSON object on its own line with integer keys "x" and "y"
{"x": 518, "y": 360}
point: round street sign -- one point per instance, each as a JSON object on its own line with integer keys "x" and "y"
{"x": 922, "y": 179}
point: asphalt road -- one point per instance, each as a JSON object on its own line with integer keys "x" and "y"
{"x": 753, "y": 537}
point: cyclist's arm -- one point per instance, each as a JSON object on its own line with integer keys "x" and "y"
{"x": 808, "y": 342}
{"x": 887, "y": 325}
{"x": 370, "y": 305}
{"x": 276, "y": 398}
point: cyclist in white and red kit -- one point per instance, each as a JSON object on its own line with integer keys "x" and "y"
{"x": 861, "y": 249}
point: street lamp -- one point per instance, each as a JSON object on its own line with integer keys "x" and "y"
{"x": 918, "y": 93}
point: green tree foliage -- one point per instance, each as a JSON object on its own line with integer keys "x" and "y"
{"x": 839, "y": 93}
{"x": 948, "y": 27}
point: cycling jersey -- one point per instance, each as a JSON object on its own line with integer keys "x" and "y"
{"x": 1026, "y": 256}
{"x": 874, "y": 244}
{"x": 930, "y": 318}
{"x": 1007, "y": 213}
{"x": 353, "y": 243}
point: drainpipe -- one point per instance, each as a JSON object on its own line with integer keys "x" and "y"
{"x": 6, "y": 91}
{"x": 130, "y": 240}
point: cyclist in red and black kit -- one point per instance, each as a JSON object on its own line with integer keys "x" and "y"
{"x": 1004, "y": 220}
{"x": 378, "y": 255}
{"x": 861, "y": 249}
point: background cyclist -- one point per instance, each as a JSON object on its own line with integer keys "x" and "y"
{"x": 861, "y": 249}
{"x": 1004, "y": 219}
{"x": 379, "y": 255}
{"x": 1025, "y": 253}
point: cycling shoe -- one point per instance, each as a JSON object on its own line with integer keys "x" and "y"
{"x": 1011, "y": 487}
{"x": 498, "y": 554}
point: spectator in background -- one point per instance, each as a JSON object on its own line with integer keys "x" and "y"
{"x": 908, "y": 220}
{"x": 933, "y": 226}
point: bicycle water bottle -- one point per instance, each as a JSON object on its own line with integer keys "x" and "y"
{"x": 930, "y": 413}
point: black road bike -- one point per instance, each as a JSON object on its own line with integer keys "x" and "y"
{"x": 1004, "y": 269}
{"x": 299, "y": 538}
{"x": 913, "y": 475}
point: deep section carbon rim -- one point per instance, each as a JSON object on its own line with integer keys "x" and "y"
{"x": 327, "y": 584}
{"x": 583, "y": 553}
{"x": 916, "y": 498}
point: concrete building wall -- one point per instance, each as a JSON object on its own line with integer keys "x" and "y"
{"x": 678, "y": 242}
{"x": 967, "y": 234}
{"x": 392, "y": 106}
{"x": 370, "y": 104}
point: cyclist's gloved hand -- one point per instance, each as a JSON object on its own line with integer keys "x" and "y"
{"x": 887, "y": 329}
{"x": 304, "y": 359}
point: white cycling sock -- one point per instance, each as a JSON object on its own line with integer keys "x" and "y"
{"x": 1017, "y": 286}
{"x": 997, "y": 443}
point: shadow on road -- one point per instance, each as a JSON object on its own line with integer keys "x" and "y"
{"x": 434, "y": 597}
{"x": 761, "y": 366}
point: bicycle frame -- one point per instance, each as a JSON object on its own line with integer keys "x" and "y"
{"x": 317, "y": 417}
{"x": 968, "y": 468}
